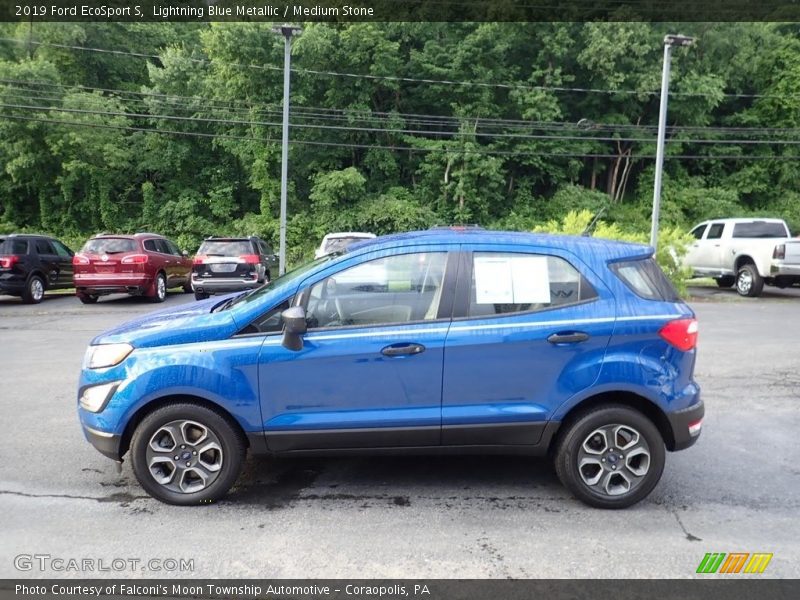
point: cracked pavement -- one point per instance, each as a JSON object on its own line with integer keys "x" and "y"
{"x": 736, "y": 490}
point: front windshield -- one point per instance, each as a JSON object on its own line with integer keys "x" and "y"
{"x": 283, "y": 279}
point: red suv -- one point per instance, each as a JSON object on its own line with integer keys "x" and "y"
{"x": 145, "y": 264}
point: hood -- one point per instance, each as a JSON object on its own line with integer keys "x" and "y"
{"x": 184, "y": 324}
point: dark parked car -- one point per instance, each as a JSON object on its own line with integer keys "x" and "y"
{"x": 443, "y": 341}
{"x": 232, "y": 264}
{"x": 144, "y": 264}
{"x": 32, "y": 264}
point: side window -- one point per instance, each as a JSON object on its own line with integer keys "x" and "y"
{"x": 162, "y": 247}
{"x": 698, "y": 231}
{"x": 150, "y": 245}
{"x": 504, "y": 283}
{"x": 394, "y": 289}
{"x": 61, "y": 249}
{"x": 44, "y": 247}
{"x": 267, "y": 248}
{"x": 715, "y": 231}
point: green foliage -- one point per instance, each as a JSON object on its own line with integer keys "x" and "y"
{"x": 189, "y": 143}
{"x": 672, "y": 241}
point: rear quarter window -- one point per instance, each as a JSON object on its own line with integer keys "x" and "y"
{"x": 646, "y": 279}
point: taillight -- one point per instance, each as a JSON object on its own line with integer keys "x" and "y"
{"x": 8, "y": 261}
{"x": 681, "y": 333}
{"x": 250, "y": 259}
{"x": 135, "y": 259}
{"x": 779, "y": 252}
{"x": 200, "y": 259}
{"x": 80, "y": 259}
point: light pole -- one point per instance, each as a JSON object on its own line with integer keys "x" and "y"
{"x": 669, "y": 42}
{"x": 287, "y": 31}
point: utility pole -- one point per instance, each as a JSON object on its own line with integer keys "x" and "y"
{"x": 287, "y": 31}
{"x": 669, "y": 42}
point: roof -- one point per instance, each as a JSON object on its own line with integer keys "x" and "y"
{"x": 744, "y": 220}
{"x": 573, "y": 243}
{"x": 343, "y": 234}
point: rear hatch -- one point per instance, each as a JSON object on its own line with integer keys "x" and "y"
{"x": 13, "y": 254}
{"x": 788, "y": 252}
{"x": 226, "y": 259}
{"x": 109, "y": 255}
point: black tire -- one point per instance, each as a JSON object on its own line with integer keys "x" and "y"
{"x": 200, "y": 296}
{"x": 725, "y": 281}
{"x": 580, "y": 431}
{"x": 187, "y": 287}
{"x": 87, "y": 298}
{"x": 34, "y": 290}
{"x": 748, "y": 282}
{"x": 231, "y": 457}
{"x": 267, "y": 277}
{"x": 159, "y": 288}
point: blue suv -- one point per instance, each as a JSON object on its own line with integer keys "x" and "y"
{"x": 455, "y": 340}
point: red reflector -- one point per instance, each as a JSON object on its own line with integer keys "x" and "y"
{"x": 200, "y": 259}
{"x": 80, "y": 259}
{"x": 681, "y": 333}
{"x": 250, "y": 259}
{"x": 8, "y": 261}
{"x": 135, "y": 259}
{"x": 695, "y": 427}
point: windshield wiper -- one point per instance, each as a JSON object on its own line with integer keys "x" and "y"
{"x": 231, "y": 301}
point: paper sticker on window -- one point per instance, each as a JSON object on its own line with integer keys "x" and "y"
{"x": 511, "y": 280}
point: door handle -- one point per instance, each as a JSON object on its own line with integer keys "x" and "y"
{"x": 572, "y": 337}
{"x": 402, "y": 349}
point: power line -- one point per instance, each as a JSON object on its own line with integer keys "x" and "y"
{"x": 506, "y": 86}
{"x": 410, "y": 149}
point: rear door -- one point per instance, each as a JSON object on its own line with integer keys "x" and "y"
{"x": 49, "y": 262}
{"x": 530, "y": 329}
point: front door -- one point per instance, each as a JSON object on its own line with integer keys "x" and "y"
{"x": 524, "y": 338}
{"x": 370, "y": 370}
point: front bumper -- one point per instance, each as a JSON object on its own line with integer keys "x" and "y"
{"x": 107, "y": 444}
{"x": 686, "y": 425}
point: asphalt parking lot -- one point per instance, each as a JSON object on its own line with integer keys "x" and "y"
{"x": 736, "y": 490}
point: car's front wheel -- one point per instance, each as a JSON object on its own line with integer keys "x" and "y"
{"x": 187, "y": 454}
{"x": 611, "y": 457}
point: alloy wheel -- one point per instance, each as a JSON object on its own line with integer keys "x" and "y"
{"x": 613, "y": 460}
{"x": 184, "y": 456}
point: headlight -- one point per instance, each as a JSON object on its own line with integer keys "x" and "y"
{"x": 95, "y": 397}
{"x": 106, "y": 355}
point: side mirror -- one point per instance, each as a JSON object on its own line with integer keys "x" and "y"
{"x": 294, "y": 326}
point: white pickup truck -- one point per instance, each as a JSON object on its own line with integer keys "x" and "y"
{"x": 745, "y": 253}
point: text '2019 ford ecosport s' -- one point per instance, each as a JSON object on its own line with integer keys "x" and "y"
{"x": 441, "y": 341}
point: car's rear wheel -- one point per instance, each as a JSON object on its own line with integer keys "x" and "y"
{"x": 159, "y": 288}
{"x": 187, "y": 454}
{"x": 187, "y": 287}
{"x": 611, "y": 457}
{"x": 725, "y": 281}
{"x": 87, "y": 298}
{"x": 200, "y": 296}
{"x": 748, "y": 281}
{"x": 34, "y": 290}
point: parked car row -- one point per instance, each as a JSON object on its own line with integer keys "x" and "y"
{"x": 141, "y": 264}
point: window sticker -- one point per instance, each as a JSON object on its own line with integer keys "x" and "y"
{"x": 511, "y": 280}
